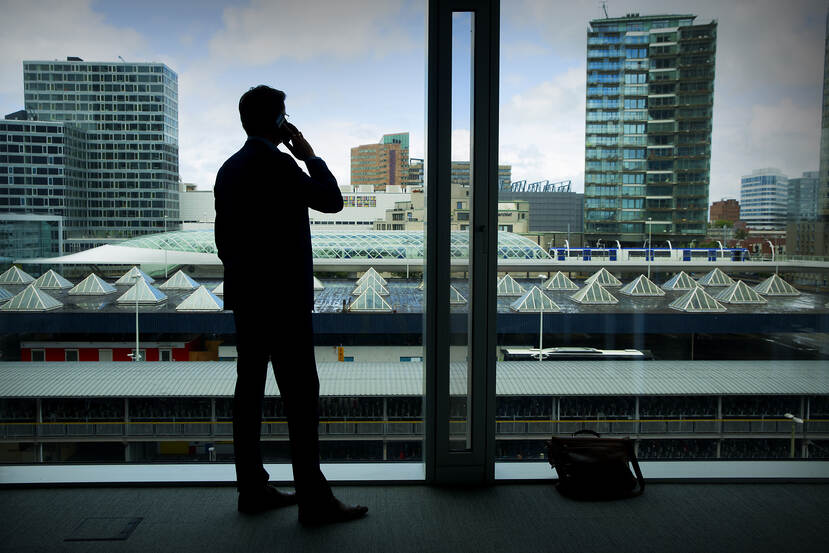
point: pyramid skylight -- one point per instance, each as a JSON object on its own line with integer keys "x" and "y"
{"x": 680, "y": 281}
{"x": 534, "y": 301}
{"x": 201, "y": 300}
{"x": 50, "y": 280}
{"x": 318, "y": 284}
{"x": 641, "y": 286}
{"x": 594, "y": 294}
{"x": 220, "y": 289}
{"x": 145, "y": 293}
{"x": 15, "y": 275}
{"x": 604, "y": 278}
{"x": 507, "y": 286}
{"x": 716, "y": 278}
{"x": 369, "y": 300}
{"x": 371, "y": 273}
{"x": 93, "y": 285}
{"x": 179, "y": 281}
{"x": 128, "y": 278}
{"x": 776, "y": 286}
{"x": 455, "y": 297}
{"x": 696, "y": 301}
{"x": 559, "y": 281}
{"x": 31, "y": 299}
{"x": 740, "y": 293}
{"x": 5, "y": 295}
{"x": 370, "y": 284}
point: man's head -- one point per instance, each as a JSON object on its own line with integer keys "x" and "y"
{"x": 259, "y": 107}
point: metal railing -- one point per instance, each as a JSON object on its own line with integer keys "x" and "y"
{"x": 32, "y": 431}
{"x": 29, "y": 431}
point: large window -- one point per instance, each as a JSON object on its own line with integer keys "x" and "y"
{"x": 581, "y": 343}
{"x": 531, "y": 253}
{"x": 355, "y": 88}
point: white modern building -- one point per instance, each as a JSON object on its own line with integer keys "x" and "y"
{"x": 764, "y": 199}
{"x": 362, "y": 207}
{"x": 198, "y": 209}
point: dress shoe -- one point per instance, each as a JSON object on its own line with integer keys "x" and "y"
{"x": 329, "y": 512}
{"x": 264, "y": 499}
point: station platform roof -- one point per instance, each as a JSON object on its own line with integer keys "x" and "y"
{"x": 514, "y": 378}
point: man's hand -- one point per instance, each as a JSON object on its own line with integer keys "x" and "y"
{"x": 298, "y": 146}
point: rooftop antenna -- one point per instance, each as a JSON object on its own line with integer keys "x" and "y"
{"x": 604, "y": 8}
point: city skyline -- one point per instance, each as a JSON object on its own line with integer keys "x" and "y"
{"x": 348, "y": 87}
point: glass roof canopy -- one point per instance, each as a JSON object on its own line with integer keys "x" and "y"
{"x": 357, "y": 244}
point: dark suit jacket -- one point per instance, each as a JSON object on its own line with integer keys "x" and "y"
{"x": 262, "y": 234}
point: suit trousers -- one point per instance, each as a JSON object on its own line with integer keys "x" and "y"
{"x": 288, "y": 345}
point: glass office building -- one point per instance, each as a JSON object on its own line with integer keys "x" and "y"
{"x": 128, "y": 116}
{"x": 804, "y": 197}
{"x": 650, "y": 90}
{"x": 764, "y": 199}
{"x": 42, "y": 167}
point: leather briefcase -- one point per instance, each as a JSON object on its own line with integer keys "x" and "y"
{"x": 595, "y": 468}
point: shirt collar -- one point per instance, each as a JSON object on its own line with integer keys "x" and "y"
{"x": 265, "y": 141}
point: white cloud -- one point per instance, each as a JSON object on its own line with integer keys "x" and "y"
{"x": 542, "y": 130}
{"x": 460, "y": 144}
{"x": 768, "y": 67}
{"x": 770, "y": 123}
{"x": 265, "y": 31}
{"x": 216, "y": 133}
{"x": 769, "y": 44}
{"x": 782, "y": 134}
{"x": 54, "y": 29}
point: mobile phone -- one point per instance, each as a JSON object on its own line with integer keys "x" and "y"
{"x": 282, "y": 130}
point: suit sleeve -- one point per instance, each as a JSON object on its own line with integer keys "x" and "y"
{"x": 320, "y": 188}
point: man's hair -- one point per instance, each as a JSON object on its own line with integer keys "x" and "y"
{"x": 259, "y": 108}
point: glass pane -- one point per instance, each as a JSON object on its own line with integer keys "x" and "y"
{"x": 460, "y": 401}
{"x": 111, "y": 152}
{"x": 661, "y": 231}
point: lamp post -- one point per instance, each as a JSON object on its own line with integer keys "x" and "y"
{"x": 795, "y": 422}
{"x": 776, "y": 267}
{"x": 136, "y": 356}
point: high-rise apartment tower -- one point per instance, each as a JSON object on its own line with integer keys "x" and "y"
{"x": 650, "y": 92}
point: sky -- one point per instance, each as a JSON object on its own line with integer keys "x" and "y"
{"x": 355, "y": 70}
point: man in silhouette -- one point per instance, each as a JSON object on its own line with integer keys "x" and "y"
{"x": 264, "y": 241}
